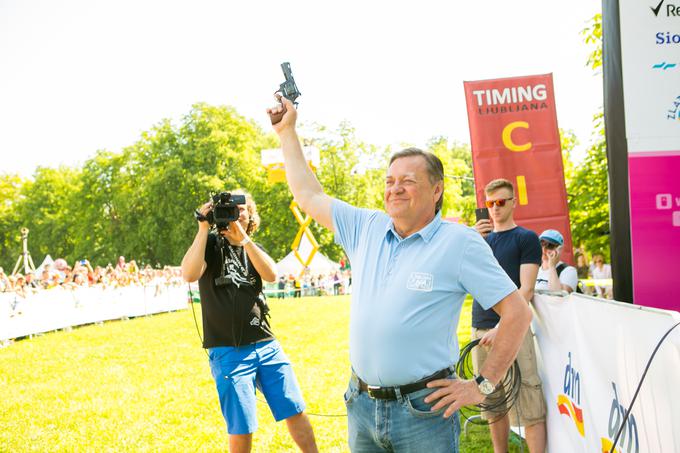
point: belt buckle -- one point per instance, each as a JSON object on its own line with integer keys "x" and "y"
{"x": 370, "y": 389}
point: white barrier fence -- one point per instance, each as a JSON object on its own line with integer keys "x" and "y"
{"x": 61, "y": 308}
{"x": 593, "y": 354}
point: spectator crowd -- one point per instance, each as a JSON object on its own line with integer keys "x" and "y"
{"x": 60, "y": 275}
{"x": 329, "y": 284}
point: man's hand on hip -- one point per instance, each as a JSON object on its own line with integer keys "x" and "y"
{"x": 454, "y": 393}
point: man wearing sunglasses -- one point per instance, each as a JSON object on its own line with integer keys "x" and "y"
{"x": 518, "y": 251}
{"x": 554, "y": 275}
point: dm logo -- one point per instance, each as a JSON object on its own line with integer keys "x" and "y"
{"x": 568, "y": 403}
{"x": 629, "y": 434}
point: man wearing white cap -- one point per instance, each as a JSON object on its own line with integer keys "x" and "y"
{"x": 555, "y": 275}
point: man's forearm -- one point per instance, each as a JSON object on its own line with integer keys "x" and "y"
{"x": 263, "y": 263}
{"x": 300, "y": 177}
{"x": 511, "y": 331}
{"x": 194, "y": 258}
{"x": 554, "y": 283}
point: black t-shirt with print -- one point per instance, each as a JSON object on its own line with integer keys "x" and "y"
{"x": 512, "y": 248}
{"x": 232, "y": 313}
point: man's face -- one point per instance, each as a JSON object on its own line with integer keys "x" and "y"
{"x": 501, "y": 214}
{"x": 547, "y": 246}
{"x": 409, "y": 194}
{"x": 598, "y": 260}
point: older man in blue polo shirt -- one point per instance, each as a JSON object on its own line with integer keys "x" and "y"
{"x": 410, "y": 274}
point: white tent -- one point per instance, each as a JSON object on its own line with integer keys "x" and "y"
{"x": 48, "y": 260}
{"x": 320, "y": 265}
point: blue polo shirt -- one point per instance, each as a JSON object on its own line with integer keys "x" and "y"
{"x": 407, "y": 293}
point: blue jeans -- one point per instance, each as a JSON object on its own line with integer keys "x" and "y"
{"x": 404, "y": 425}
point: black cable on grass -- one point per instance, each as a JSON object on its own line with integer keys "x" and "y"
{"x": 193, "y": 312}
{"x": 499, "y": 406}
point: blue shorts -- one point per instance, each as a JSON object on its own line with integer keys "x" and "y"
{"x": 238, "y": 372}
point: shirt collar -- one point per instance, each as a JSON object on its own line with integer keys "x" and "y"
{"x": 425, "y": 233}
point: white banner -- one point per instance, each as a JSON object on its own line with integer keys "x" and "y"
{"x": 59, "y": 308}
{"x": 650, "y": 58}
{"x": 592, "y": 355}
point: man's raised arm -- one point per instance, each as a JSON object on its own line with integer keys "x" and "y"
{"x": 306, "y": 188}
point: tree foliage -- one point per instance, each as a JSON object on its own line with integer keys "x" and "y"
{"x": 588, "y": 201}
{"x": 588, "y": 182}
{"x": 139, "y": 202}
{"x": 459, "y": 187}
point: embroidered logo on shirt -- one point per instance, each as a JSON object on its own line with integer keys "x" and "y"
{"x": 420, "y": 281}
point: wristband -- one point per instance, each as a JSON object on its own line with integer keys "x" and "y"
{"x": 200, "y": 217}
{"x": 244, "y": 242}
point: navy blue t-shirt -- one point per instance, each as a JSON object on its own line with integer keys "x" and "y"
{"x": 512, "y": 248}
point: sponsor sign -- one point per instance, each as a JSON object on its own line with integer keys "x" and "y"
{"x": 650, "y": 53}
{"x": 592, "y": 354}
{"x": 650, "y": 58}
{"x": 514, "y": 135}
{"x": 655, "y": 228}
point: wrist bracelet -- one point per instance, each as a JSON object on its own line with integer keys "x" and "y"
{"x": 200, "y": 217}
{"x": 244, "y": 242}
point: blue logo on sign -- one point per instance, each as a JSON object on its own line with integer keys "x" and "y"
{"x": 663, "y": 65}
{"x": 674, "y": 112}
{"x": 665, "y": 38}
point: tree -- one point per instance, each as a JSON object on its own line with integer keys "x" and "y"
{"x": 588, "y": 184}
{"x": 46, "y": 206}
{"x": 350, "y": 170}
{"x": 10, "y": 190}
{"x": 459, "y": 187}
{"x": 172, "y": 170}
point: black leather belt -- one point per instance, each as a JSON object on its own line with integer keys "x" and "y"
{"x": 389, "y": 393}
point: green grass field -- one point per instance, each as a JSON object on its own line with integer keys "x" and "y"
{"x": 145, "y": 385}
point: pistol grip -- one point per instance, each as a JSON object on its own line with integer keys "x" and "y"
{"x": 276, "y": 118}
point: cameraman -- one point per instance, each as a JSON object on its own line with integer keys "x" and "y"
{"x": 241, "y": 347}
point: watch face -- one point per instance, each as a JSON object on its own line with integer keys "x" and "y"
{"x": 486, "y": 387}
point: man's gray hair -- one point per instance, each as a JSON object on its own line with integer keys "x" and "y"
{"x": 435, "y": 168}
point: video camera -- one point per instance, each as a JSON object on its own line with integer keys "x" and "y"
{"x": 224, "y": 210}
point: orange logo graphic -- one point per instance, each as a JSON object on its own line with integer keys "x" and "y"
{"x": 571, "y": 410}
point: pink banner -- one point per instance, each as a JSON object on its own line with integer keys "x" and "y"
{"x": 655, "y": 228}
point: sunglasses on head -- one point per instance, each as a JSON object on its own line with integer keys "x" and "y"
{"x": 500, "y": 203}
{"x": 549, "y": 245}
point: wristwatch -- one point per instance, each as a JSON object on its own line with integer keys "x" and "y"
{"x": 485, "y": 386}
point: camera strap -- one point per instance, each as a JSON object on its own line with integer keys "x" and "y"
{"x": 243, "y": 267}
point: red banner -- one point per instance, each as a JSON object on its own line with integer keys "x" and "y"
{"x": 513, "y": 133}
